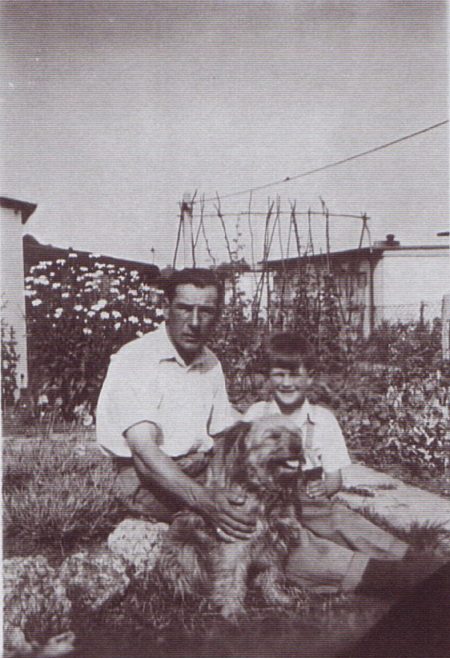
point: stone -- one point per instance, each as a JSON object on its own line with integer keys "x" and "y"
{"x": 94, "y": 578}
{"x": 35, "y": 603}
{"x": 138, "y": 542}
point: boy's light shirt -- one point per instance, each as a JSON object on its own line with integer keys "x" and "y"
{"x": 147, "y": 380}
{"x": 327, "y": 447}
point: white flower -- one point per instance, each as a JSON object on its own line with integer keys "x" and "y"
{"x": 104, "y": 315}
{"x": 72, "y": 255}
{"x": 61, "y": 261}
{"x": 99, "y": 305}
{"x": 121, "y": 297}
{"x": 78, "y": 307}
{"x": 133, "y": 319}
{"x": 28, "y": 279}
{"x": 42, "y": 280}
{"x": 117, "y": 325}
{"x": 100, "y": 265}
{"x": 36, "y": 302}
{"x": 139, "y": 333}
{"x": 30, "y": 293}
{"x": 56, "y": 284}
{"x": 145, "y": 287}
{"x": 58, "y": 312}
{"x": 116, "y": 314}
{"x": 65, "y": 295}
{"x": 114, "y": 290}
{"x": 148, "y": 321}
{"x": 83, "y": 268}
{"x": 87, "y": 331}
{"x": 132, "y": 292}
{"x": 91, "y": 314}
{"x": 159, "y": 313}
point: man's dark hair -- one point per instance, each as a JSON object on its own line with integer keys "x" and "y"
{"x": 289, "y": 350}
{"x": 196, "y": 276}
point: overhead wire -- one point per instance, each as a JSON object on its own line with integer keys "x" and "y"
{"x": 361, "y": 154}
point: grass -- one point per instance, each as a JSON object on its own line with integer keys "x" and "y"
{"x": 56, "y": 491}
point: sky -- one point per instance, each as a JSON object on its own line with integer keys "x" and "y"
{"x": 111, "y": 111}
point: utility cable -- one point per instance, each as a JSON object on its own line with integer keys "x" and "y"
{"x": 288, "y": 179}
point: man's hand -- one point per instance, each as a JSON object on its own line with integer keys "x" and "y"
{"x": 228, "y": 513}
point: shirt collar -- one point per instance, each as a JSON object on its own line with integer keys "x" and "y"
{"x": 202, "y": 361}
{"x": 299, "y": 416}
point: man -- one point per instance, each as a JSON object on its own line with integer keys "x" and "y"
{"x": 162, "y": 401}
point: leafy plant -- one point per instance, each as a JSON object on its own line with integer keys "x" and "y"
{"x": 9, "y": 363}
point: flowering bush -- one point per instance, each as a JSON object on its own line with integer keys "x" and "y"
{"x": 77, "y": 316}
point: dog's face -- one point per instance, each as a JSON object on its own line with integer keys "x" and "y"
{"x": 272, "y": 452}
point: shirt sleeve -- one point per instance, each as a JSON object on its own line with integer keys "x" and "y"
{"x": 223, "y": 414}
{"x": 255, "y": 411}
{"x": 334, "y": 450}
{"x": 123, "y": 402}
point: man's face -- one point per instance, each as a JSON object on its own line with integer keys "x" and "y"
{"x": 289, "y": 387}
{"x": 191, "y": 317}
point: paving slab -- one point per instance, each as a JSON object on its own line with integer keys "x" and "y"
{"x": 398, "y": 503}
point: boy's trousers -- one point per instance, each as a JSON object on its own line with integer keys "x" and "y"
{"x": 336, "y": 545}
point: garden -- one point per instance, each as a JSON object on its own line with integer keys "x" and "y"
{"x": 390, "y": 393}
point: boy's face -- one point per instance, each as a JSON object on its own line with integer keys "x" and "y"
{"x": 289, "y": 386}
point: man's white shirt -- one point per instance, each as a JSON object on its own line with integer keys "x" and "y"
{"x": 147, "y": 380}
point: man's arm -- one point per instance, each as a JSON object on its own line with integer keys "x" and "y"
{"x": 219, "y": 507}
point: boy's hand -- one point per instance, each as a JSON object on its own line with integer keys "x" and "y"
{"x": 317, "y": 489}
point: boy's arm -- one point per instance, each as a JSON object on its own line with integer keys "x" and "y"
{"x": 330, "y": 484}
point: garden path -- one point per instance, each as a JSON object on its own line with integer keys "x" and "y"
{"x": 398, "y": 503}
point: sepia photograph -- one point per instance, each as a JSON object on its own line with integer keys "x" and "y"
{"x": 225, "y": 328}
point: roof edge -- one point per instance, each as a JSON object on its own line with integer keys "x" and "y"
{"x": 26, "y": 209}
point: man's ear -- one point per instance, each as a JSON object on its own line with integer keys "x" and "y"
{"x": 165, "y": 308}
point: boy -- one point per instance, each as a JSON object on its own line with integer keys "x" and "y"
{"x": 337, "y": 544}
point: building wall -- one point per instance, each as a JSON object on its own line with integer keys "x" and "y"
{"x": 12, "y": 284}
{"x": 406, "y": 278}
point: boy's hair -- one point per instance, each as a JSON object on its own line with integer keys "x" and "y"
{"x": 289, "y": 350}
{"x": 197, "y": 276}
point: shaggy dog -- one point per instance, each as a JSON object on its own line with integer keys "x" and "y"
{"x": 262, "y": 460}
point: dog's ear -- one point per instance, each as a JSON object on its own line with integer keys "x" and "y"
{"x": 234, "y": 438}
